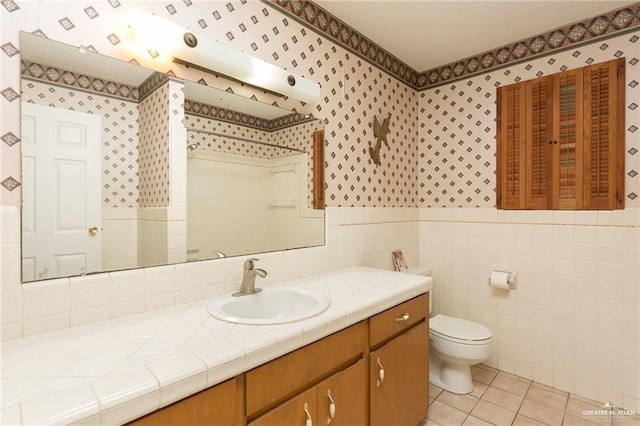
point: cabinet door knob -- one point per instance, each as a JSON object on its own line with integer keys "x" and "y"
{"x": 403, "y": 317}
{"x": 380, "y": 373}
{"x": 309, "y": 422}
{"x": 332, "y": 407}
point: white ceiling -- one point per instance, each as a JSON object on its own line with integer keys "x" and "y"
{"x": 426, "y": 34}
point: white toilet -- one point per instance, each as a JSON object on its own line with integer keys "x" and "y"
{"x": 454, "y": 345}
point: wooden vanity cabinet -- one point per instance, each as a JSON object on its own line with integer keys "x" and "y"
{"x": 398, "y": 364}
{"x": 345, "y": 390}
{"x": 374, "y": 373}
{"x": 220, "y": 405}
{"x": 278, "y": 380}
{"x": 330, "y": 364}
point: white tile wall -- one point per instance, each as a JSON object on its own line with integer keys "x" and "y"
{"x": 574, "y": 321}
{"x": 355, "y": 236}
{"x": 119, "y": 238}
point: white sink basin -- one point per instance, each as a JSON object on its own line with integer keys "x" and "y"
{"x": 274, "y": 305}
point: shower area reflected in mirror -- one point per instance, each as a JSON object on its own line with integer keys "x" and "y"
{"x": 250, "y": 188}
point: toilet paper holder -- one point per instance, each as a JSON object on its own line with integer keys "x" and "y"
{"x": 503, "y": 279}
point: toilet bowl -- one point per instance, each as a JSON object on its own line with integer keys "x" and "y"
{"x": 455, "y": 345}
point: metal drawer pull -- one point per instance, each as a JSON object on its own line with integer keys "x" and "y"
{"x": 309, "y": 422}
{"x": 332, "y": 407}
{"x": 380, "y": 373}
{"x": 404, "y": 317}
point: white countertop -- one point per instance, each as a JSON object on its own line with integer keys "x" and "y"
{"x": 114, "y": 371}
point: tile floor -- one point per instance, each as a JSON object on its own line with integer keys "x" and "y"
{"x": 500, "y": 399}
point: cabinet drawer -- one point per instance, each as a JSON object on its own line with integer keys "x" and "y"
{"x": 284, "y": 377}
{"x": 392, "y": 321}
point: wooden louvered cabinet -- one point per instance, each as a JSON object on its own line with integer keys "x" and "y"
{"x": 560, "y": 140}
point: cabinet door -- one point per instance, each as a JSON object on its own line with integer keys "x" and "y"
{"x": 220, "y": 405}
{"x": 574, "y": 138}
{"x": 347, "y": 391}
{"x": 511, "y": 147}
{"x": 539, "y": 137}
{"x": 402, "y": 396}
{"x": 604, "y": 135}
{"x": 292, "y": 412}
{"x": 567, "y": 141}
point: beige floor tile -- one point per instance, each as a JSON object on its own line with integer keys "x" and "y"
{"x": 493, "y": 414}
{"x": 626, "y": 420}
{"x": 585, "y": 400}
{"x": 427, "y": 422}
{"x": 547, "y": 397}
{"x": 526, "y": 421}
{"x": 463, "y": 403}
{"x": 541, "y": 412}
{"x": 483, "y": 374}
{"x": 478, "y": 389}
{"x": 434, "y": 391}
{"x": 570, "y": 420}
{"x": 549, "y": 388}
{"x": 445, "y": 415}
{"x": 511, "y": 385}
{"x": 514, "y": 377}
{"x": 502, "y": 398}
{"x": 474, "y": 421}
{"x": 575, "y": 406}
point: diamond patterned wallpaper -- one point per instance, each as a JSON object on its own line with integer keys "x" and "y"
{"x": 353, "y": 91}
{"x": 119, "y": 135}
{"x": 457, "y": 130}
{"x": 153, "y": 154}
{"x": 159, "y": 111}
{"x": 616, "y": 21}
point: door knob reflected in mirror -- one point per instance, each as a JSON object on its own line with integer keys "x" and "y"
{"x": 93, "y": 230}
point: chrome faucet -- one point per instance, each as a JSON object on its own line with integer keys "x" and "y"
{"x": 249, "y": 274}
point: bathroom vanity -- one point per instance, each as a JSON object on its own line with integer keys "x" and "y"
{"x": 362, "y": 361}
{"x": 328, "y": 381}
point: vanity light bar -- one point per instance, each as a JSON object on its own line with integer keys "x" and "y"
{"x": 149, "y": 32}
{"x": 209, "y": 55}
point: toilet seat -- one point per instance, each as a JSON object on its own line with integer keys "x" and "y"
{"x": 459, "y": 330}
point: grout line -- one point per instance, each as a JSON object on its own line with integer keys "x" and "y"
{"x": 378, "y": 223}
{"x": 580, "y": 225}
{"x": 586, "y": 225}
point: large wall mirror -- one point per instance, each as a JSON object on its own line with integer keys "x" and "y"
{"x": 125, "y": 167}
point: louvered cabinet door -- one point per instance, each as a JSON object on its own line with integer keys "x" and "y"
{"x": 567, "y": 142}
{"x": 604, "y": 135}
{"x": 539, "y": 139}
{"x": 560, "y": 140}
{"x": 511, "y": 148}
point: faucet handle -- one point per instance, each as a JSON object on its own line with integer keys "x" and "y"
{"x": 248, "y": 264}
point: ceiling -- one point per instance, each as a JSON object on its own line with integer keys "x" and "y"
{"x": 427, "y": 34}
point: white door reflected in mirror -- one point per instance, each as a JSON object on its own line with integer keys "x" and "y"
{"x": 61, "y": 169}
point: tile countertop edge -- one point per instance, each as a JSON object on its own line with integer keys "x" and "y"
{"x": 180, "y": 381}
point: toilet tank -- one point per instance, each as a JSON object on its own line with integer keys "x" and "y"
{"x": 425, "y": 272}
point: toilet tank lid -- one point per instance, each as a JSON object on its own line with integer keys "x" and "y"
{"x": 458, "y": 328}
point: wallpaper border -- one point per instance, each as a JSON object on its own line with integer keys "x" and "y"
{"x": 615, "y": 22}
